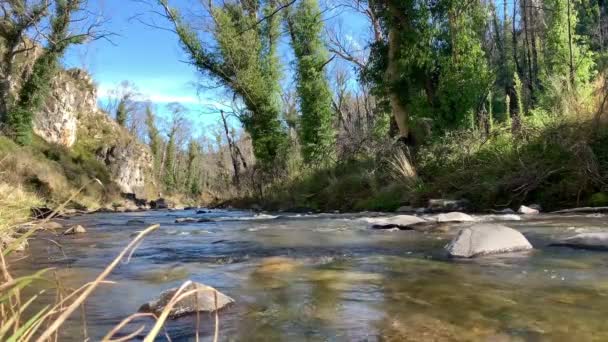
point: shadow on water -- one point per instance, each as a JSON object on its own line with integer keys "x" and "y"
{"x": 329, "y": 277}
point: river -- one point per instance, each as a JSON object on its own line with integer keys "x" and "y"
{"x": 337, "y": 279}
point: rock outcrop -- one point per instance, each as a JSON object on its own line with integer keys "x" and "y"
{"x": 71, "y": 118}
{"x": 203, "y": 300}
{"x": 484, "y": 239}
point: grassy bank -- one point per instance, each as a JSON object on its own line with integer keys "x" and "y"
{"x": 53, "y": 173}
{"x": 555, "y": 162}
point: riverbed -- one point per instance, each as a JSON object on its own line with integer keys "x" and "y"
{"x": 329, "y": 277}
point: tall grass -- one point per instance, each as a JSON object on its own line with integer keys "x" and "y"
{"x": 45, "y": 324}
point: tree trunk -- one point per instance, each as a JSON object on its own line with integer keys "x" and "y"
{"x": 233, "y": 153}
{"x": 528, "y": 51}
{"x": 514, "y": 110}
{"x": 392, "y": 75}
{"x": 570, "y": 46}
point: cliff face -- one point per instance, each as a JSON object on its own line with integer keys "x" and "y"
{"x": 72, "y": 119}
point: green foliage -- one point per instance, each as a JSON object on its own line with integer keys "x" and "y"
{"x": 37, "y": 86}
{"x": 560, "y": 50}
{"x": 465, "y": 77}
{"x": 154, "y": 138}
{"x": 122, "y": 113}
{"x": 247, "y": 64}
{"x": 599, "y": 199}
{"x": 316, "y": 124}
{"x": 169, "y": 166}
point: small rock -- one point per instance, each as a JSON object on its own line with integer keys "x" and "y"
{"x": 406, "y": 209}
{"x": 506, "y": 211}
{"x": 192, "y": 220}
{"x": 483, "y": 239}
{"x": 160, "y": 203}
{"x": 51, "y": 225}
{"x": 593, "y": 241}
{"x": 201, "y": 301}
{"x": 203, "y": 211}
{"x": 399, "y": 221}
{"x": 78, "y": 229}
{"x": 527, "y": 211}
{"x": 506, "y": 217}
{"x": 454, "y": 217}
{"x": 135, "y": 222}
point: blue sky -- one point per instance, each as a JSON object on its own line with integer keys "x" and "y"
{"x": 152, "y": 58}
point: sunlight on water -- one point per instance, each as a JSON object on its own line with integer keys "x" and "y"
{"x": 330, "y": 277}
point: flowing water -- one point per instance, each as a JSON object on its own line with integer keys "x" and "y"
{"x": 331, "y": 278}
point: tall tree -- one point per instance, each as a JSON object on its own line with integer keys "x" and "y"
{"x": 317, "y": 135}
{"x": 122, "y": 113}
{"x": 566, "y": 54}
{"x": 246, "y": 63}
{"x": 154, "y": 140}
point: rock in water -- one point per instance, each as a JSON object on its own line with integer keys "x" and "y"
{"x": 201, "y": 301}
{"x": 454, "y": 217}
{"x": 448, "y": 205}
{"x": 527, "y": 211}
{"x": 483, "y": 239}
{"x": 593, "y": 241}
{"x": 75, "y": 230}
{"x": 399, "y": 221}
{"x": 135, "y": 222}
{"x": 160, "y": 203}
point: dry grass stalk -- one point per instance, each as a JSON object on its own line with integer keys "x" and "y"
{"x": 89, "y": 289}
{"x": 403, "y": 169}
{"x": 177, "y": 297}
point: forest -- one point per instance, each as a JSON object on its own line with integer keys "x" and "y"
{"x": 496, "y": 102}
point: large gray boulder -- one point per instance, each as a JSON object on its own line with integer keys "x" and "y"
{"x": 454, "y": 217}
{"x": 203, "y": 300}
{"x": 484, "y": 239}
{"x": 593, "y": 241}
{"x": 399, "y": 221}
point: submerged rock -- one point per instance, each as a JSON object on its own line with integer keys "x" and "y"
{"x": 52, "y": 225}
{"x": 505, "y": 217}
{"x": 454, "y": 217}
{"x": 275, "y": 265}
{"x": 593, "y": 241}
{"x": 506, "y": 211}
{"x": 399, "y": 221}
{"x": 204, "y": 300}
{"x": 583, "y": 210}
{"x": 78, "y": 229}
{"x": 406, "y": 209}
{"x": 528, "y": 211}
{"x": 135, "y": 222}
{"x": 192, "y": 220}
{"x": 483, "y": 239}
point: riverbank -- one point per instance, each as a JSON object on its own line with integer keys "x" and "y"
{"x": 555, "y": 162}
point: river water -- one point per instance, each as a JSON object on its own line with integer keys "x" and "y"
{"x": 332, "y": 278}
